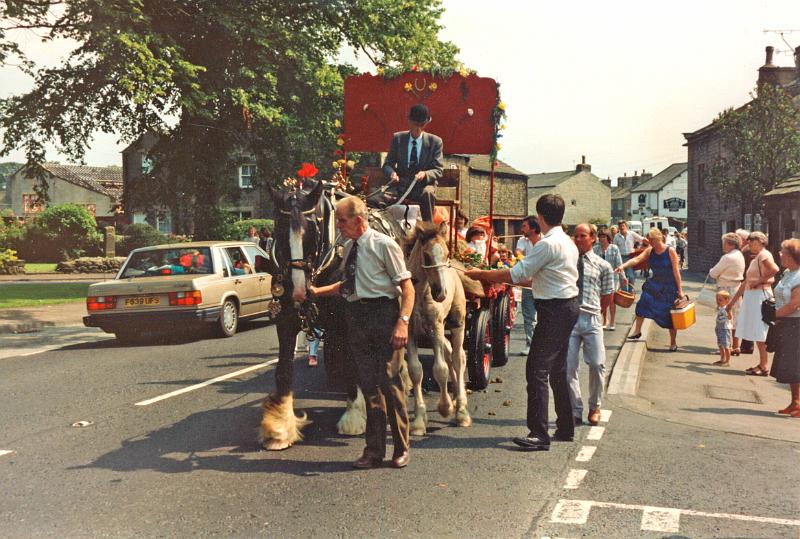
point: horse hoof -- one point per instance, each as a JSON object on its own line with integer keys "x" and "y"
{"x": 446, "y": 409}
{"x": 417, "y": 432}
{"x": 464, "y": 421}
{"x": 277, "y": 445}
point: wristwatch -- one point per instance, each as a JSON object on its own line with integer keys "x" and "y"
{"x": 405, "y": 319}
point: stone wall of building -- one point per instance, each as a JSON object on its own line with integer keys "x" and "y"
{"x": 586, "y": 199}
{"x": 59, "y": 192}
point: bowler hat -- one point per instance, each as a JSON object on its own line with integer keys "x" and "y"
{"x": 419, "y": 113}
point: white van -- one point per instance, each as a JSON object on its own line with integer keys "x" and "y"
{"x": 662, "y": 223}
{"x": 635, "y": 226}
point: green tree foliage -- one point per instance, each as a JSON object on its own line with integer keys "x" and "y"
{"x": 761, "y": 147}
{"x": 215, "y": 80}
{"x": 140, "y": 235}
{"x": 61, "y": 232}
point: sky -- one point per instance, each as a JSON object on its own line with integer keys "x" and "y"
{"x": 618, "y": 81}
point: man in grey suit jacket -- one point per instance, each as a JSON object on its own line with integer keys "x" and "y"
{"x": 416, "y": 157}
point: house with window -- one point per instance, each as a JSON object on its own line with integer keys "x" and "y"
{"x": 136, "y": 163}
{"x": 587, "y": 197}
{"x": 709, "y": 214}
{"x": 662, "y": 195}
{"x": 98, "y": 189}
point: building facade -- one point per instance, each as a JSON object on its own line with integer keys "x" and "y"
{"x": 587, "y": 197}
{"x": 663, "y": 195}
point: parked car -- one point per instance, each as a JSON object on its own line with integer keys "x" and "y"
{"x": 179, "y": 285}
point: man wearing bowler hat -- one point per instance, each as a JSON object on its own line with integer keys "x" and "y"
{"x": 415, "y": 157}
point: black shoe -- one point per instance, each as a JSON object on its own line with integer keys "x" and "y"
{"x": 532, "y": 443}
{"x": 559, "y": 437}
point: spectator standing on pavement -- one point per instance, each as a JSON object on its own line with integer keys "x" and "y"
{"x": 266, "y": 240}
{"x": 729, "y": 274}
{"x": 626, "y": 240}
{"x": 610, "y": 253}
{"x": 531, "y": 234}
{"x": 745, "y": 345}
{"x": 252, "y": 235}
{"x": 595, "y": 291}
{"x": 723, "y": 329}
{"x": 660, "y": 291}
{"x": 680, "y": 248}
{"x": 375, "y": 275}
{"x": 786, "y": 362}
{"x": 552, "y": 267}
{"x": 756, "y": 287}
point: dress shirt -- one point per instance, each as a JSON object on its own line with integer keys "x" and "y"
{"x": 524, "y": 245}
{"x": 419, "y": 147}
{"x": 729, "y": 271}
{"x": 598, "y": 280}
{"x": 625, "y": 243}
{"x": 380, "y": 266}
{"x": 553, "y": 266}
{"x": 783, "y": 292}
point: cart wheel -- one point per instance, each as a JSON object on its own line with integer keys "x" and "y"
{"x": 479, "y": 356}
{"x": 501, "y": 331}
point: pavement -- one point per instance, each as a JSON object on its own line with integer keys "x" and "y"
{"x": 684, "y": 387}
{"x": 644, "y": 376}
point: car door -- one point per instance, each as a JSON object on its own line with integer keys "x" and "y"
{"x": 243, "y": 280}
{"x": 258, "y": 259}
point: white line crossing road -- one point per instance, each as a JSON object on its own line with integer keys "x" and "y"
{"x": 206, "y": 383}
{"x": 659, "y": 519}
{"x": 586, "y": 453}
{"x": 595, "y": 433}
{"x": 574, "y": 478}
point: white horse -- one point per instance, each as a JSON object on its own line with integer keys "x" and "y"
{"x": 439, "y": 304}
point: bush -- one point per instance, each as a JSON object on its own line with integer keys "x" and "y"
{"x": 59, "y": 233}
{"x": 238, "y": 230}
{"x": 12, "y": 234}
{"x": 139, "y": 235}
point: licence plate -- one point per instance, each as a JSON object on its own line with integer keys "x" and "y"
{"x": 142, "y": 301}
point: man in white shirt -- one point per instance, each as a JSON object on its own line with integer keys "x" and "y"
{"x": 375, "y": 275}
{"x": 552, "y": 267}
{"x": 626, "y": 240}
{"x": 531, "y": 233}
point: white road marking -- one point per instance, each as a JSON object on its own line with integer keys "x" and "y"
{"x": 206, "y": 383}
{"x": 605, "y": 415}
{"x": 586, "y": 453}
{"x": 571, "y": 512}
{"x": 656, "y": 519}
{"x": 4, "y": 452}
{"x": 595, "y": 433}
{"x": 577, "y": 512}
{"x": 574, "y": 478}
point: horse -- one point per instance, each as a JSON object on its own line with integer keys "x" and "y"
{"x": 439, "y": 303}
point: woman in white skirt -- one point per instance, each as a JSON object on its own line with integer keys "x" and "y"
{"x": 756, "y": 287}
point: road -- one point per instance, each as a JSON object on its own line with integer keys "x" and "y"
{"x": 188, "y": 465}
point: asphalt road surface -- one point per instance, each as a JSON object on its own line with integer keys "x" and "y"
{"x": 149, "y": 462}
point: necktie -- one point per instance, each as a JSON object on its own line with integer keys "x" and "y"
{"x": 349, "y": 283}
{"x": 413, "y": 160}
{"x": 580, "y": 278}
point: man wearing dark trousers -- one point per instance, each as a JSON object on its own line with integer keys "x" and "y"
{"x": 375, "y": 275}
{"x": 552, "y": 268}
{"x": 415, "y": 157}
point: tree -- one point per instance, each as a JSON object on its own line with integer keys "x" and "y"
{"x": 62, "y": 232}
{"x": 761, "y": 146}
{"x": 215, "y": 80}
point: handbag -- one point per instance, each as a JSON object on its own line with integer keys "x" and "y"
{"x": 623, "y": 298}
{"x": 767, "y": 305}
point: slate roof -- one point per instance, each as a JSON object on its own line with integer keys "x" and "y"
{"x": 549, "y": 179}
{"x": 788, "y": 186}
{"x": 657, "y": 182}
{"x": 481, "y": 163}
{"x": 620, "y": 192}
{"x": 104, "y": 180}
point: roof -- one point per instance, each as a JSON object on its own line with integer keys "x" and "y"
{"x": 104, "y": 180}
{"x": 549, "y": 179}
{"x": 788, "y": 186}
{"x": 657, "y": 182}
{"x": 620, "y": 192}
{"x": 481, "y": 163}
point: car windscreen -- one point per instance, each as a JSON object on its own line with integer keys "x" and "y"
{"x": 177, "y": 261}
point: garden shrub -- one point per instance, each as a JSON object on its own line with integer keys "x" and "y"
{"x": 139, "y": 235}
{"x": 59, "y": 233}
{"x": 239, "y": 228}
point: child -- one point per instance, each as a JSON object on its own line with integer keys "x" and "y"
{"x": 723, "y": 329}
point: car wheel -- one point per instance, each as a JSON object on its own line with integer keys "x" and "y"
{"x": 229, "y": 318}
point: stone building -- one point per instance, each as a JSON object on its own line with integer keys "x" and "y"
{"x": 587, "y": 197}
{"x": 782, "y": 204}
{"x": 621, "y": 195}
{"x": 510, "y": 191}
{"x": 709, "y": 214}
{"x": 135, "y": 164}
{"x": 98, "y": 189}
{"x": 662, "y": 195}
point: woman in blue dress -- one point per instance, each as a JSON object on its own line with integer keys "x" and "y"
{"x": 661, "y": 290}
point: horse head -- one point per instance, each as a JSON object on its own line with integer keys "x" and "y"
{"x": 298, "y": 235}
{"x": 429, "y": 257}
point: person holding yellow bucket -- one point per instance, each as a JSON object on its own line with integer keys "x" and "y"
{"x": 661, "y": 290}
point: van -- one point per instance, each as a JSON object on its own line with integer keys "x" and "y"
{"x": 662, "y": 223}
{"x": 635, "y": 226}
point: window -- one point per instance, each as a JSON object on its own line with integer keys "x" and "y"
{"x": 701, "y": 177}
{"x": 246, "y": 173}
{"x": 31, "y": 203}
{"x": 147, "y": 164}
{"x": 164, "y": 222}
{"x": 257, "y": 257}
{"x": 238, "y": 261}
{"x": 701, "y": 233}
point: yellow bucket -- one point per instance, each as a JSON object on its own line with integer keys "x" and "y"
{"x": 684, "y": 317}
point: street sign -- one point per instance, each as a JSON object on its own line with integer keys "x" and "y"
{"x": 674, "y": 204}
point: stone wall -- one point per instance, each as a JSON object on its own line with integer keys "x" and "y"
{"x": 586, "y": 198}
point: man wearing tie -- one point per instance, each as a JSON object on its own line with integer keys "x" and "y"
{"x": 415, "y": 157}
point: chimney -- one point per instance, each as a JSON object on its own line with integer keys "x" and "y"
{"x": 583, "y": 166}
{"x": 770, "y": 52}
{"x": 769, "y": 73}
{"x": 606, "y": 182}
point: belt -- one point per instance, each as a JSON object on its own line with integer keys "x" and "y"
{"x": 367, "y": 301}
{"x": 556, "y": 300}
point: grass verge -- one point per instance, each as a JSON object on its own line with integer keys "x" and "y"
{"x": 15, "y": 295}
